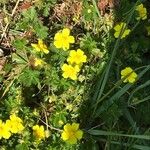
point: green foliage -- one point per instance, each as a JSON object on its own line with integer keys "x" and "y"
{"x": 112, "y": 114}
{"x": 29, "y": 77}
{"x": 30, "y": 21}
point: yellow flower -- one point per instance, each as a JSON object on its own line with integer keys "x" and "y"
{"x": 38, "y": 132}
{"x": 129, "y": 75}
{"x": 63, "y": 39}
{"x": 4, "y": 131}
{"x": 40, "y": 47}
{"x": 38, "y": 62}
{"x": 15, "y": 124}
{"x": 72, "y": 133}
{"x": 142, "y": 12}
{"x": 70, "y": 71}
{"x": 76, "y": 57}
{"x": 118, "y": 29}
{"x": 60, "y": 122}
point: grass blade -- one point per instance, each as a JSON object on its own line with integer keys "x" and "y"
{"x": 108, "y": 133}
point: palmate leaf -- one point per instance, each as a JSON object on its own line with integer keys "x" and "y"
{"x": 29, "y": 77}
{"x": 30, "y": 14}
{"x": 40, "y": 30}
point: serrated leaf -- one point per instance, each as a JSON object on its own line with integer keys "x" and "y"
{"x": 29, "y": 77}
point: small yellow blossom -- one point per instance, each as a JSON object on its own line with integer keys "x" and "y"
{"x": 60, "y": 122}
{"x": 72, "y": 133}
{"x": 40, "y": 47}
{"x": 142, "y": 12}
{"x": 70, "y": 71}
{"x": 38, "y": 62}
{"x": 118, "y": 30}
{"x": 76, "y": 57}
{"x": 63, "y": 39}
{"x": 15, "y": 124}
{"x": 129, "y": 75}
{"x": 38, "y": 132}
{"x": 4, "y": 131}
{"x": 47, "y": 133}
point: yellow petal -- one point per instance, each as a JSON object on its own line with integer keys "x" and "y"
{"x": 58, "y": 44}
{"x": 40, "y": 42}
{"x": 65, "y": 136}
{"x": 77, "y": 68}
{"x": 116, "y": 34}
{"x": 45, "y": 51}
{"x": 122, "y": 25}
{"x": 65, "y": 75}
{"x": 126, "y": 32}
{"x": 117, "y": 28}
{"x": 79, "y": 134}
{"x": 64, "y": 67}
{"x": 58, "y": 36}
{"x": 41, "y": 128}
{"x": 65, "y": 32}
{"x": 71, "y": 39}
{"x": 36, "y": 47}
{"x": 80, "y": 52}
{"x": 74, "y": 77}
{"x": 69, "y": 60}
{"x": 72, "y": 53}
{"x": 67, "y": 127}
{"x": 131, "y": 80}
{"x": 75, "y": 126}
{"x": 126, "y": 71}
{"x": 21, "y": 127}
{"x": 65, "y": 45}
{"x": 84, "y": 58}
{"x": 133, "y": 75}
{"x": 6, "y": 134}
{"x": 36, "y": 127}
{"x": 72, "y": 140}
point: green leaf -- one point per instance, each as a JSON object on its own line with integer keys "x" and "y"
{"x": 117, "y": 95}
{"x": 20, "y": 44}
{"x": 140, "y": 101}
{"x": 41, "y": 31}
{"x": 30, "y": 14}
{"x": 29, "y": 77}
{"x": 147, "y": 83}
{"x": 22, "y": 147}
{"x": 135, "y": 146}
{"x": 108, "y": 133}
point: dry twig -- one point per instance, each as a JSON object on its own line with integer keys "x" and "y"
{"x": 7, "y": 25}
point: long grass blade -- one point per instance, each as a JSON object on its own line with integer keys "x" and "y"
{"x": 135, "y": 146}
{"x": 115, "y": 97}
{"x": 147, "y": 83}
{"x": 108, "y": 133}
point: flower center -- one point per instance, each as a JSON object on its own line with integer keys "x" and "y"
{"x": 72, "y": 134}
{"x": 71, "y": 71}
